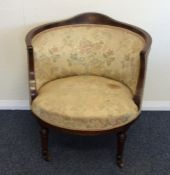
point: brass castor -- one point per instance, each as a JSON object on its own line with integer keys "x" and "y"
{"x": 46, "y": 156}
{"x": 119, "y": 161}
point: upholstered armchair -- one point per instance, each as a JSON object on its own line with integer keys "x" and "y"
{"x": 86, "y": 76}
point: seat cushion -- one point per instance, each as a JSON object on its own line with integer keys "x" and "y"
{"x": 88, "y": 103}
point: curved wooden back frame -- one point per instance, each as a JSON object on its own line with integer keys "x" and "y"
{"x": 91, "y": 18}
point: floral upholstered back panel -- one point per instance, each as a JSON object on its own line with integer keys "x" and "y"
{"x": 87, "y": 49}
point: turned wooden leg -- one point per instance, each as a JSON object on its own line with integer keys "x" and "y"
{"x": 121, "y": 138}
{"x": 44, "y": 143}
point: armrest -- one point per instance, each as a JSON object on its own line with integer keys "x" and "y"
{"x": 31, "y": 76}
{"x": 138, "y": 97}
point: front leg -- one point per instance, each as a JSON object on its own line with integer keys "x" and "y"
{"x": 121, "y": 138}
{"x": 44, "y": 142}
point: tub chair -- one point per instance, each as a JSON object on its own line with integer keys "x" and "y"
{"x": 86, "y": 76}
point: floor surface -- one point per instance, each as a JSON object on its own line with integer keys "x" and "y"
{"x": 147, "y": 149}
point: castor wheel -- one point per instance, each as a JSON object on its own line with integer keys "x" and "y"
{"x": 46, "y": 156}
{"x": 119, "y": 162}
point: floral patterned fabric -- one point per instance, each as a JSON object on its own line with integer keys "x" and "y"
{"x": 87, "y": 49}
{"x": 88, "y": 103}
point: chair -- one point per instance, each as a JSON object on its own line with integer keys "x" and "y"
{"x": 86, "y": 76}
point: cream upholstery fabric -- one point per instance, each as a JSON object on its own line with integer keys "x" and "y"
{"x": 85, "y": 103}
{"x": 87, "y": 49}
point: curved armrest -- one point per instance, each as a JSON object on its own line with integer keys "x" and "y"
{"x": 142, "y": 73}
{"x": 31, "y": 75}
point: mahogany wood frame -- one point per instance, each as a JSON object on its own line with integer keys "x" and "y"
{"x": 89, "y": 18}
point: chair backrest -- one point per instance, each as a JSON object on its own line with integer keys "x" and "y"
{"x": 87, "y": 49}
